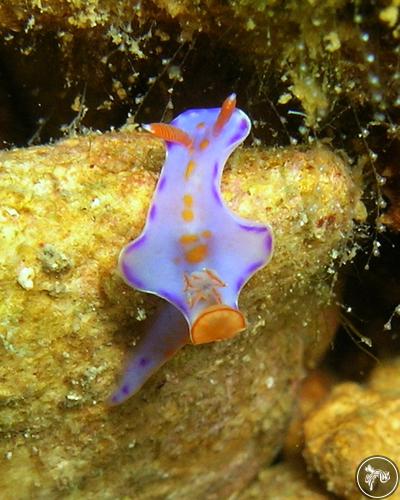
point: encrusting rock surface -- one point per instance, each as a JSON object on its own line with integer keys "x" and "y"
{"x": 207, "y": 422}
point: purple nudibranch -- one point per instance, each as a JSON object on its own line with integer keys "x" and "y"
{"x": 193, "y": 251}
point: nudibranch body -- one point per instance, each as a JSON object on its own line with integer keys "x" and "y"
{"x": 193, "y": 251}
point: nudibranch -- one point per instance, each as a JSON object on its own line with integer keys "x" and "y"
{"x": 193, "y": 251}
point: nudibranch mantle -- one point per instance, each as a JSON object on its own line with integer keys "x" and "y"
{"x": 193, "y": 251}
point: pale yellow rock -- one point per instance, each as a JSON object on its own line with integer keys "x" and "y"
{"x": 207, "y": 422}
{"x": 353, "y": 424}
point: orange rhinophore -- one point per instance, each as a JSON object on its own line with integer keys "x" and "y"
{"x": 227, "y": 109}
{"x": 169, "y": 133}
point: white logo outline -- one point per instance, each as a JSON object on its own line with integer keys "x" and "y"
{"x": 373, "y": 474}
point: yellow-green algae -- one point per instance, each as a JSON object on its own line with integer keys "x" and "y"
{"x": 205, "y": 424}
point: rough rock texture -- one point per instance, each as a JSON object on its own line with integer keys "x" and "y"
{"x": 285, "y": 481}
{"x": 356, "y": 422}
{"x": 204, "y": 425}
{"x": 314, "y": 389}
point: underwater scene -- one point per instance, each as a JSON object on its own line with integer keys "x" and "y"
{"x": 199, "y": 249}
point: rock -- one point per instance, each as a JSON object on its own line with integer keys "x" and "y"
{"x": 285, "y": 481}
{"x": 207, "y": 422}
{"x": 314, "y": 389}
{"x": 354, "y": 423}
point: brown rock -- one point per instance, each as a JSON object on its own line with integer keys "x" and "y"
{"x": 204, "y": 425}
{"x": 314, "y": 389}
{"x": 285, "y": 481}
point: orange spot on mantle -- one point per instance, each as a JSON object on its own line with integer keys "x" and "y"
{"x": 188, "y": 238}
{"x": 187, "y": 215}
{"x": 189, "y": 169}
{"x": 196, "y": 254}
{"x": 188, "y": 200}
{"x": 204, "y": 144}
{"x": 206, "y": 234}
